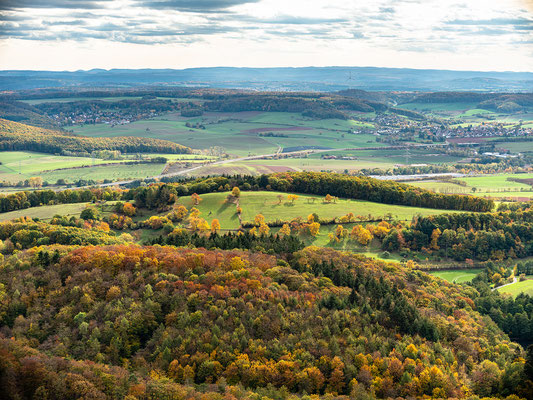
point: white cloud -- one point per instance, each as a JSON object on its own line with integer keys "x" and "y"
{"x": 453, "y": 34}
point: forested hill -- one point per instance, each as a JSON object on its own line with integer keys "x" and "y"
{"x": 18, "y": 136}
{"x": 290, "y": 79}
{"x": 126, "y": 320}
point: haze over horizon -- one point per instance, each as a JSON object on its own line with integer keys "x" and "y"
{"x": 76, "y": 35}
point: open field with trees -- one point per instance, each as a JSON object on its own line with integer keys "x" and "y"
{"x": 457, "y": 276}
{"x": 494, "y": 185}
{"x": 517, "y": 288}
{"x": 214, "y": 205}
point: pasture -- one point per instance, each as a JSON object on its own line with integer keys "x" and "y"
{"x": 45, "y": 212}
{"x": 243, "y": 133}
{"x": 457, "y": 276}
{"x": 21, "y": 165}
{"x": 214, "y": 205}
{"x": 519, "y": 287}
{"x": 497, "y": 186}
{"x": 99, "y": 173}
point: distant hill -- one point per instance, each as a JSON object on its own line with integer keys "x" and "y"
{"x": 284, "y": 79}
{"x": 21, "y": 112}
{"x": 17, "y": 136}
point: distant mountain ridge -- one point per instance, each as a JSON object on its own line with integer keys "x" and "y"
{"x": 282, "y": 79}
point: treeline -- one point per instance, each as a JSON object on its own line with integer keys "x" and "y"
{"x": 163, "y": 195}
{"x": 313, "y": 109}
{"x": 16, "y": 136}
{"x": 274, "y": 244}
{"x": 27, "y": 234}
{"x": 365, "y": 188}
{"x": 131, "y": 106}
{"x": 27, "y": 199}
{"x": 462, "y": 236}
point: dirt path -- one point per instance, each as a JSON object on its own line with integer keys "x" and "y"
{"x": 507, "y": 284}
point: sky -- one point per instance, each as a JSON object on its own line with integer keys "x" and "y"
{"x": 483, "y": 35}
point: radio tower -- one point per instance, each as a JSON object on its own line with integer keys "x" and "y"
{"x": 407, "y": 155}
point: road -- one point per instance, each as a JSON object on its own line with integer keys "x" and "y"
{"x": 507, "y": 284}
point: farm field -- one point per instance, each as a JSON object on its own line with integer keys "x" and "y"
{"x": 267, "y": 203}
{"x": 439, "y": 107}
{"x": 519, "y": 287}
{"x": 239, "y": 133}
{"x": 457, "y": 276}
{"x": 45, "y": 212}
{"x": 111, "y": 172}
{"x": 51, "y": 167}
{"x": 497, "y": 186}
{"x": 33, "y": 164}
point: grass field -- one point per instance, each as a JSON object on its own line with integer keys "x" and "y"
{"x": 457, "y": 276}
{"x": 238, "y": 133}
{"x": 112, "y": 172}
{"x": 45, "y": 212}
{"x": 497, "y": 186}
{"x": 252, "y": 203}
{"x": 32, "y": 164}
{"x": 519, "y": 287}
{"x": 51, "y": 167}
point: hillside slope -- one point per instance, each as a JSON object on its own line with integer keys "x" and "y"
{"x": 18, "y": 136}
{"x": 328, "y": 322}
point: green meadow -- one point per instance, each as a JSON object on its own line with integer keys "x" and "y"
{"x": 239, "y": 133}
{"x": 214, "y": 205}
{"x": 457, "y": 276}
{"x": 519, "y": 287}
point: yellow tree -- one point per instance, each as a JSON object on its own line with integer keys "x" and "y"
{"x": 36, "y": 181}
{"x": 264, "y": 229}
{"x": 435, "y": 238}
{"x": 215, "y": 226}
{"x": 292, "y": 198}
{"x": 196, "y": 199}
{"x": 203, "y": 225}
{"x": 259, "y": 219}
{"x": 329, "y": 198}
{"x": 181, "y": 212}
{"x": 362, "y": 235}
{"x": 314, "y": 229}
{"x": 236, "y": 192}
{"x": 129, "y": 209}
{"x": 285, "y": 230}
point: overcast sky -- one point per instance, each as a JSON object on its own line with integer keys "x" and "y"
{"x": 85, "y": 34}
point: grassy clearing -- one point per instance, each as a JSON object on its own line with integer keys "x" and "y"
{"x": 252, "y": 203}
{"x": 49, "y": 166}
{"x": 457, "y": 276}
{"x": 519, "y": 287}
{"x": 46, "y": 212}
{"x": 497, "y": 186}
{"x": 112, "y": 172}
{"x": 32, "y": 164}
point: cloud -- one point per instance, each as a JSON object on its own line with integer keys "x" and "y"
{"x": 493, "y": 21}
{"x": 69, "y": 4}
{"x": 193, "y": 5}
{"x": 288, "y": 20}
